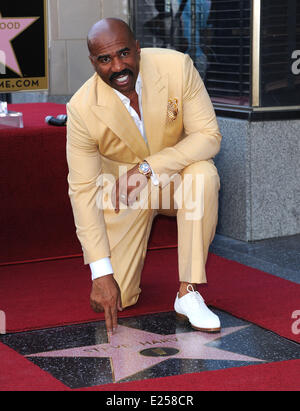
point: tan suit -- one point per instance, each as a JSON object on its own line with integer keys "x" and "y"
{"x": 102, "y": 136}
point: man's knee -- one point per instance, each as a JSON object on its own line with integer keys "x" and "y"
{"x": 188, "y": 189}
{"x": 205, "y": 168}
{"x": 202, "y": 173}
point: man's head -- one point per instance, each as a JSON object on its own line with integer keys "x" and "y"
{"x": 115, "y": 54}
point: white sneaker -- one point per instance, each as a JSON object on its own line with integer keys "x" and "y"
{"x": 192, "y": 307}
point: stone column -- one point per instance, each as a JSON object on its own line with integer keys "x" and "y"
{"x": 260, "y": 172}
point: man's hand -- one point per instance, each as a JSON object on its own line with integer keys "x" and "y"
{"x": 128, "y": 187}
{"x": 106, "y": 296}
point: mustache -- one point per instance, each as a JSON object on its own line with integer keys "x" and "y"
{"x": 121, "y": 73}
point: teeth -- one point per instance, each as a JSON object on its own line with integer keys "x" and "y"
{"x": 122, "y": 79}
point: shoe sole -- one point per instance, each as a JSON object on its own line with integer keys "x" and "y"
{"x": 183, "y": 317}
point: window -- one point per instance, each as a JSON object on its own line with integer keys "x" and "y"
{"x": 215, "y": 33}
{"x": 280, "y": 53}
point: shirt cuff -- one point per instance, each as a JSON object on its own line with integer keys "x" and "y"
{"x": 154, "y": 178}
{"x": 101, "y": 268}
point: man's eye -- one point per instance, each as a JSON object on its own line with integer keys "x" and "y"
{"x": 104, "y": 60}
{"x": 124, "y": 53}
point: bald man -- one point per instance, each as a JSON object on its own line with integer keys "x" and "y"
{"x": 144, "y": 119}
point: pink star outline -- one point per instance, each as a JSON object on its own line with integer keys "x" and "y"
{"x": 124, "y": 349}
{"x": 7, "y": 35}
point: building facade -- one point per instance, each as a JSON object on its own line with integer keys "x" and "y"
{"x": 248, "y": 54}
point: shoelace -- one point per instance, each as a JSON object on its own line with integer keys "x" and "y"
{"x": 195, "y": 294}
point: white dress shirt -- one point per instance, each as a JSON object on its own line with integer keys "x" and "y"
{"x": 103, "y": 266}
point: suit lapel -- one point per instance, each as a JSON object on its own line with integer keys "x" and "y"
{"x": 112, "y": 112}
{"x": 155, "y": 102}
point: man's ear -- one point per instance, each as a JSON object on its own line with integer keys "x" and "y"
{"x": 138, "y": 47}
{"x": 92, "y": 61}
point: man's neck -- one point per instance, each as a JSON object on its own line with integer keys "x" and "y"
{"x": 130, "y": 94}
{"x": 134, "y": 102}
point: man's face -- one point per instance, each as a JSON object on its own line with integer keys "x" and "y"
{"x": 116, "y": 59}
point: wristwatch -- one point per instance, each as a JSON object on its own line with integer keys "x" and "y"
{"x": 145, "y": 169}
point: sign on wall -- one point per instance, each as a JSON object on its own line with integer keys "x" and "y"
{"x": 23, "y": 46}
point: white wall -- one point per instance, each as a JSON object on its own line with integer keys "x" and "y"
{"x": 69, "y": 23}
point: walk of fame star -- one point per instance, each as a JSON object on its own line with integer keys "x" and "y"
{"x": 132, "y": 350}
{"x": 10, "y": 28}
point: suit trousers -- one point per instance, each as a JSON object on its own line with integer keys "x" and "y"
{"x": 193, "y": 198}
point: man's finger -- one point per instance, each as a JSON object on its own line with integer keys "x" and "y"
{"x": 114, "y": 319}
{"x": 108, "y": 321}
{"x": 115, "y": 197}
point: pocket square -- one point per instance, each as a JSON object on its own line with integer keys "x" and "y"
{"x": 173, "y": 108}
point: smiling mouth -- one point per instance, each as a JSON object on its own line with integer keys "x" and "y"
{"x": 121, "y": 79}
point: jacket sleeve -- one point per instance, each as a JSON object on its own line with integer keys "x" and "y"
{"x": 202, "y": 136}
{"x": 84, "y": 164}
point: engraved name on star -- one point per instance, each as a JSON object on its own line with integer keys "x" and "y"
{"x": 10, "y": 28}
{"x": 132, "y": 350}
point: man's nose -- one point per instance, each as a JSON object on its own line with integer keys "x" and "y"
{"x": 117, "y": 65}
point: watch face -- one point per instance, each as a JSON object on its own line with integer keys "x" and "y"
{"x": 145, "y": 168}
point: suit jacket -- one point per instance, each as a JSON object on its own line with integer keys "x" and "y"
{"x": 101, "y": 136}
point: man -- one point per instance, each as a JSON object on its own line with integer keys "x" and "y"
{"x": 148, "y": 112}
